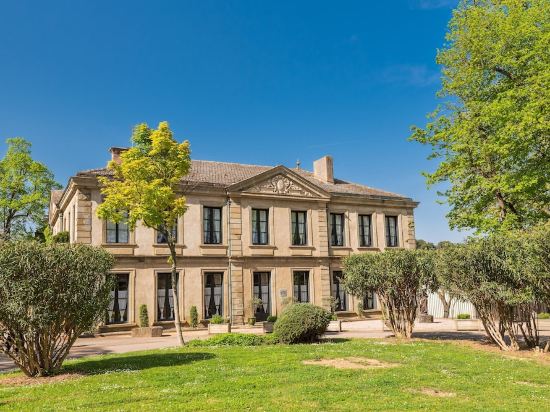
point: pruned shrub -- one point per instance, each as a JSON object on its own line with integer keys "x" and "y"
{"x": 49, "y": 295}
{"x": 143, "y": 316}
{"x": 544, "y": 315}
{"x": 301, "y": 323}
{"x": 217, "y": 320}
{"x": 61, "y": 237}
{"x": 194, "y": 317}
{"x": 463, "y": 316}
{"x": 235, "y": 339}
{"x": 271, "y": 318}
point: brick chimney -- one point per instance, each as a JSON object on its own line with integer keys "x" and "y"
{"x": 115, "y": 153}
{"x": 323, "y": 169}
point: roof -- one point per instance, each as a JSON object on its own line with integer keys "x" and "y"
{"x": 223, "y": 174}
{"x": 56, "y": 196}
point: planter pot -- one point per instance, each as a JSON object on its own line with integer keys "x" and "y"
{"x": 543, "y": 324}
{"x": 219, "y": 328}
{"x": 335, "y": 326}
{"x": 151, "y": 332}
{"x": 468, "y": 324}
{"x": 425, "y": 318}
{"x": 251, "y": 321}
{"x": 268, "y": 327}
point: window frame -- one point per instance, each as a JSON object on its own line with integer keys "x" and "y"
{"x": 168, "y": 280}
{"x": 205, "y": 307}
{"x": 298, "y": 296}
{"x": 389, "y": 242}
{"x": 295, "y": 224}
{"x": 333, "y": 227}
{"x": 127, "y": 309}
{"x": 175, "y": 233}
{"x": 362, "y": 233}
{"x": 206, "y": 235}
{"x": 255, "y": 223}
{"x": 337, "y": 288}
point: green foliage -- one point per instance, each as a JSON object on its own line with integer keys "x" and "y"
{"x": 252, "y": 321}
{"x": 422, "y": 244}
{"x": 25, "y": 187}
{"x": 49, "y": 295}
{"x": 463, "y": 316}
{"x": 194, "y": 317}
{"x": 234, "y": 339}
{"x": 61, "y": 237}
{"x": 217, "y": 320}
{"x": 271, "y": 319}
{"x": 301, "y": 323}
{"x": 397, "y": 276}
{"x": 544, "y": 315}
{"x": 143, "y": 316}
{"x": 492, "y": 133}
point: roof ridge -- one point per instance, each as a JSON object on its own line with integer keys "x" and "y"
{"x": 230, "y": 163}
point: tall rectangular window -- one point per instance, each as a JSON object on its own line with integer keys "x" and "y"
{"x": 212, "y": 222}
{"x": 301, "y": 286}
{"x": 117, "y": 232}
{"x": 392, "y": 236}
{"x": 369, "y": 301}
{"x": 337, "y": 229}
{"x": 365, "y": 231}
{"x": 213, "y": 294}
{"x": 299, "y": 228}
{"x": 165, "y": 296}
{"x": 260, "y": 235}
{"x": 117, "y": 312}
{"x": 162, "y": 238}
{"x": 338, "y": 291}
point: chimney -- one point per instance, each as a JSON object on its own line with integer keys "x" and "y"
{"x": 115, "y": 153}
{"x": 323, "y": 169}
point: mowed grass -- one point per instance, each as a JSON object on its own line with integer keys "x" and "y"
{"x": 273, "y": 378}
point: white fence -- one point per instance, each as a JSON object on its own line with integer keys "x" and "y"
{"x": 435, "y": 307}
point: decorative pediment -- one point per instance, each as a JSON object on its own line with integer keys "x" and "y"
{"x": 280, "y": 181}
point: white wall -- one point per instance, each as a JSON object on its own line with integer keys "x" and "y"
{"x": 435, "y": 307}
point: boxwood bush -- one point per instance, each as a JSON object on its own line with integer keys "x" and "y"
{"x": 235, "y": 339}
{"x": 301, "y": 323}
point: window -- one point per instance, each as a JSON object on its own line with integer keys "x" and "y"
{"x": 369, "y": 302}
{"x": 301, "y": 286}
{"x": 165, "y": 296}
{"x": 299, "y": 228}
{"x": 213, "y": 294}
{"x": 337, "y": 229}
{"x": 262, "y": 292}
{"x": 365, "y": 233}
{"x": 392, "y": 238}
{"x": 259, "y": 226}
{"x": 117, "y": 312}
{"x": 338, "y": 292}
{"x": 162, "y": 238}
{"x": 212, "y": 225}
{"x": 117, "y": 232}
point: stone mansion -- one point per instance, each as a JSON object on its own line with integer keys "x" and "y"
{"x": 273, "y": 233}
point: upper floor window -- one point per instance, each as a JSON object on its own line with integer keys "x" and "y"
{"x": 299, "y": 228}
{"x": 392, "y": 237}
{"x": 260, "y": 235}
{"x": 162, "y": 237}
{"x": 365, "y": 231}
{"x": 212, "y": 223}
{"x": 337, "y": 229}
{"x": 117, "y": 232}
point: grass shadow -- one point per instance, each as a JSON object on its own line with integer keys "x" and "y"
{"x": 328, "y": 339}
{"x": 125, "y": 363}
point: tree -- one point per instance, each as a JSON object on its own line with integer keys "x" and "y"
{"x": 398, "y": 277}
{"x": 146, "y": 187}
{"x": 492, "y": 133}
{"x": 25, "y": 187}
{"x": 49, "y": 295}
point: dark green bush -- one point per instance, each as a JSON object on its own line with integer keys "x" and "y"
{"x": 463, "y": 316}
{"x": 217, "y": 320}
{"x": 143, "y": 316}
{"x": 194, "y": 315}
{"x": 235, "y": 339}
{"x": 61, "y": 237}
{"x": 271, "y": 319}
{"x": 301, "y": 322}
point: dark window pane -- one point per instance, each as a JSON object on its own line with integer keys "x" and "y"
{"x": 212, "y": 222}
{"x": 260, "y": 227}
{"x": 369, "y": 301}
{"x": 117, "y": 312}
{"x": 365, "y": 231}
{"x": 262, "y": 291}
{"x": 117, "y": 232}
{"x": 165, "y": 296}
{"x": 299, "y": 228}
{"x": 392, "y": 238}
{"x": 337, "y": 229}
{"x": 213, "y": 294}
{"x": 338, "y": 291}
{"x": 162, "y": 238}
{"x": 301, "y": 286}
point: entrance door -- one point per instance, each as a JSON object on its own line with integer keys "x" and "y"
{"x": 262, "y": 291}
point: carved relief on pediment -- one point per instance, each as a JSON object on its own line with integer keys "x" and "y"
{"x": 281, "y": 185}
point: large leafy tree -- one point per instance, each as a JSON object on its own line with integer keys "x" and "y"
{"x": 25, "y": 187}
{"x": 492, "y": 134}
{"x": 146, "y": 187}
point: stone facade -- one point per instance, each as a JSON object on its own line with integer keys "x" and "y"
{"x": 239, "y": 190}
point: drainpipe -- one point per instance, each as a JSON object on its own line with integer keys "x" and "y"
{"x": 328, "y": 250}
{"x": 230, "y": 252}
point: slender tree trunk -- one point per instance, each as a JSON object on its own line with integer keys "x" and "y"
{"x": 446, "y": 303}
{"x": 177, "y": 322}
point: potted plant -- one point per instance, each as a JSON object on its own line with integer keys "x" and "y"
{"x": 543, "y": 321}
{"x": 218, "y": 325}
{"x": 334, "y": 325}
{"x": 144, "y": 330}
{"x": 268, "y": 324}
{"x": 255, "y": 303}
{"x": 464, "y": 322}
{"x": 193, "y": 317}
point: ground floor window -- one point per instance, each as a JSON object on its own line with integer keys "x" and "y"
{"x": 165, "y": 296}
{"x": 262, "y": 291}
{"x": 301, "y": 286}
{"x": 369, "y": 302}
{"x": 213, "y": 294}
{"x": 118, "y": 305}
{"x": 338, "y": 291}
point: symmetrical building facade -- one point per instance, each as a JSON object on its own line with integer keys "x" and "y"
{"x": 253, "y": 238}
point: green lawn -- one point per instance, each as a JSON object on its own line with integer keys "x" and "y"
{"x": 274, "y": 378}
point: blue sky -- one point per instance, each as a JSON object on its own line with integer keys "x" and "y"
{"x": 244, "y": 81}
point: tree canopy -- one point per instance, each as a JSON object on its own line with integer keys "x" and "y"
{"x": 25, "y": 187}
{"x": 492, "y": 132}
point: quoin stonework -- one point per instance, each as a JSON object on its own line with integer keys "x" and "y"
{"x": 250, "y": 234}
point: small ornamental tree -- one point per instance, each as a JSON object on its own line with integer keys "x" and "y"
{"x": 398, "y": 277}
{"x": 143, "y": 316}
{"x": 49, "y": 295}
{"x": 146, "y": 187}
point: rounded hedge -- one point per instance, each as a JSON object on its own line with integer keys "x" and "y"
{"x": 301, "y": 323}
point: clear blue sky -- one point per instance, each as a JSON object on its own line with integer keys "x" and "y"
{"x": 244, "y": 81}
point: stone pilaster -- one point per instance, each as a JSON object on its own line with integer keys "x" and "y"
{"x": 83, "y": 233}
{"x": 235, "y": 252}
